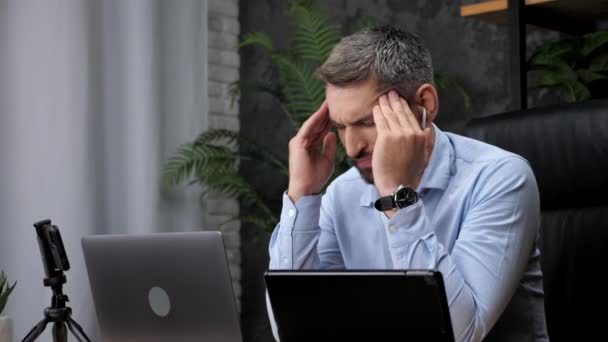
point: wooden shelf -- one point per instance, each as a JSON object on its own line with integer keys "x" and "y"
{"x": 495, "y": 11}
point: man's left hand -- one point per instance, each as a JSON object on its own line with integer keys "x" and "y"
{"x": 399, "y": 152}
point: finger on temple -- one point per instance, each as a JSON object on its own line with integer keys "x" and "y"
{"x": 379, "y": 119}
{"x": 399, "y": 108}
{"x": 410, "y": 116}
{"x": 319, "y": 132}
{"x": 388, "y": 113}
{"x": 316, "y": 121}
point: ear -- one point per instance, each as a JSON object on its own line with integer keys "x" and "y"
{"x": 427, "y": 96}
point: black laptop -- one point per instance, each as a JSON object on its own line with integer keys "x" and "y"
{"x": 395, "y": 305}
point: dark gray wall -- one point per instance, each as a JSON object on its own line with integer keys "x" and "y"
{"x": 468, "y": 50}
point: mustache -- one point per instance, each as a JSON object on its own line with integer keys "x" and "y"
{"x": 352, "y": 161}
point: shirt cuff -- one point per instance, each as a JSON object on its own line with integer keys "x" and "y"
{"x": 301, "y": 216}
{"x": 408, "y": 225}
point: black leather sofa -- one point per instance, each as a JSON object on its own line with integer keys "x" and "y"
{"x": 567, "y": 147}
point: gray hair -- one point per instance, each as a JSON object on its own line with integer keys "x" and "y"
{"x": 391, "y": 57}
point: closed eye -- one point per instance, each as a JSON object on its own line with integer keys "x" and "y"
{"x": 364, "y": 122}
{"x": 367, "y": 123}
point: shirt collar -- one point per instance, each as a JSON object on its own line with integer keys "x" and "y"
{"x": 436, "y": 175}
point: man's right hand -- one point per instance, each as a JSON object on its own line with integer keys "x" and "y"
{"x": 311, "y": 155}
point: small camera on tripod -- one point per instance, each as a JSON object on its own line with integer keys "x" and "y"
{"x": 53, "y": 254}
{"x": 55, "y": 262}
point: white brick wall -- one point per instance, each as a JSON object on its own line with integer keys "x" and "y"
{"x": 223, "y": 58}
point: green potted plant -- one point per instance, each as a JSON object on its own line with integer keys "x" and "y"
{"x": 6, "y": 327}
{"x": 577, "y": 67}
{"x": 213, "y": 158}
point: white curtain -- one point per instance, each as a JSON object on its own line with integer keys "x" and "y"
{"x": 94, "y": 97}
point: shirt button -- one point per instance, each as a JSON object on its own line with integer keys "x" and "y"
{"x": 392, "y": 228}
{"x": 291, "y": 212}
{"x": 285, "y": 260}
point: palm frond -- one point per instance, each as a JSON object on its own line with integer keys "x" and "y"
{"x": 553, "y": 56}
{"x": 245, "y": 148}
{"x": 315, "y": 36}
{"x": 236, "y": 87}
{"x": 192, "y": 157}
{"x": 443, "y": 81}
{"x": 253, "y": 152}
{"x": 229, "y": 182}
{"x": 574, "y": 89}
{"x": 217, "y": 135}
{"x": 217, "y": 151}
{"x": 304, "y": 93}
{"x": 266, "y": 224}
{"x": 593, "y": 41}
{"x": 258, "y": 38}
{"x": 599, "y": 63}
{"x": 248, "y": 149}
{"x": 588, "y": 76}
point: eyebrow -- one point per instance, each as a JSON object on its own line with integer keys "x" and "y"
{"x": 354, "y": 122}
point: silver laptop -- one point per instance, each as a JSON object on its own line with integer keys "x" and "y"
{"x": 162, "y": 287}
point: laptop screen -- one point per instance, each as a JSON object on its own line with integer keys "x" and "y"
{"x": 359, "y": 305}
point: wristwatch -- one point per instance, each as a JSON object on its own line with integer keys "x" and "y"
{"x": 403, "y": 197}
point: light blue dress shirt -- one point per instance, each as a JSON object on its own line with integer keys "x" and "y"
{"x": 476, "y": 222}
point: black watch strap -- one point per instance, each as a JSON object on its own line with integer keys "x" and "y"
{"x": 385, "y": 203}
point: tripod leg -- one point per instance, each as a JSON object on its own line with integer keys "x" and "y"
{"x": 78, "y": 332}
{"x": 60, "y": 333}
{"x": 36, "y": 331}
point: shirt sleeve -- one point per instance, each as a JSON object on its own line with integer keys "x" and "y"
{"x": 303, "y": 239}
{"x": 491, "y": 252}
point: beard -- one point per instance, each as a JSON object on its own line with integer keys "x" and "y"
{"x": 366, "y": 173}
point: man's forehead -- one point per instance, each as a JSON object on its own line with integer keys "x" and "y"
{"x": 353, "y": 120}
{"x": 348, "y": 109}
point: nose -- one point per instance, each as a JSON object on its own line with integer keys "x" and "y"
{"x": 353, "y": 142}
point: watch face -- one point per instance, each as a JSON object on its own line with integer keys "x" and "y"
{"x": 405, "y": 197}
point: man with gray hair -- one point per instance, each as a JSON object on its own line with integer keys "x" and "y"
{"x": 417, "y": 197}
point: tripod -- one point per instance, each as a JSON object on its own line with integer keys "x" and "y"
{"x": 59, "y": 314}
{"x": 55, "y": 261}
